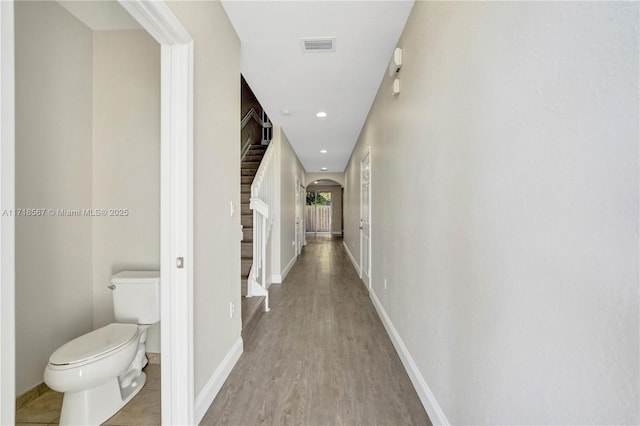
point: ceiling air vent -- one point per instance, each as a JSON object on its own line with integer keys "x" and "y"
{"x": 324, "y": 44}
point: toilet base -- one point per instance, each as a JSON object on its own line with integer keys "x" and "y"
{"x": 96, "y": 405}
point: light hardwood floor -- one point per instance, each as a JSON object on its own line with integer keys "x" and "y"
{"x": 320, "y": 357}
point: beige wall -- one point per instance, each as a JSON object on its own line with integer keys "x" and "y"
{"x": 290, "y": 170}
{"x": 505, "y": 209}
{"x": 336, "y": 204}
{"x": 54, "y": 296}
{"x": 126, "y": 161}
{"x": 217, "y": 182}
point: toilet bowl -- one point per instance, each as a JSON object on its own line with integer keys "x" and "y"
{"x": 87, "y": 370}
{"x": 101, "y": 371}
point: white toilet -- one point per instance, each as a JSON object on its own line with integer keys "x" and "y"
{"x": 101, "y": 371}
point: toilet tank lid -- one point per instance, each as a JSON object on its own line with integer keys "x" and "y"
{"x": 94, "y": 344}
{"x": 136, "y": 277}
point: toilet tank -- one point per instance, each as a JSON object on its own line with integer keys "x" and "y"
{"x": 136, "y": 296}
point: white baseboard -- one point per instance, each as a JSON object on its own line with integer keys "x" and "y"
{"x": 353, "y": 260}
{"x": 211, "y": 389}
{"x": 429, "y": 402}
{"x": 277, "y": 279}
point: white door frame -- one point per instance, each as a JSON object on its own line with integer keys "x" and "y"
{"x": 176, "y": 208}
{"x": 299, "y": 220}
{"x": 368, "y": 272}
{"x": 303, "y": 215}
{"x": 7, "y": 223}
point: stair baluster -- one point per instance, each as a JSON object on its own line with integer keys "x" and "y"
{"x": 262, "y": 204}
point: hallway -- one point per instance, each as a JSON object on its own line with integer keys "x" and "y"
{"x": 320, "y": 357}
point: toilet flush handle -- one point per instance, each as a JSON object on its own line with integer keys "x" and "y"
{"x": 111, "y": 287}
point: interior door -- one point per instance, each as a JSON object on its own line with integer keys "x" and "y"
{"x": 365, "y": 220}
{"x": 300, "y": 199}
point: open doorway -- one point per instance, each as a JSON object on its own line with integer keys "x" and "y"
{"x": 176, "y": 188}
{"x": 319, "y": 211}
{"x": 323, "y": 207}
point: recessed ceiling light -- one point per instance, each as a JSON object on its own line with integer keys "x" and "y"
{"x": 324, "y": 169}
{"x": 285, "y": 111}
{"x": 321, "y": 114}
{"x": 323, "y": 151}
{"x": 315, "y": 181}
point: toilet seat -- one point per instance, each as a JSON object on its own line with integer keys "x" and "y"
{"x": 93, "y": 346}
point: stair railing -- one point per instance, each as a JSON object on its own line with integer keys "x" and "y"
{"x": 263, "y": 192}
{"x": 248, "y": 116}
{"x": 245, "y": 148}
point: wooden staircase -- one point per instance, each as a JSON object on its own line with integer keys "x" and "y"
{"x": 251, "y": 307}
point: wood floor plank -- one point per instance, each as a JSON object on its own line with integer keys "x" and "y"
{"x": 321, "y": 356}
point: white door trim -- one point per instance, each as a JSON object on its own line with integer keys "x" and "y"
{"x": 367, "y": 154}
{"x": 298, "y": 215}
{"x": 176, "y": 206}
{"x": 303, "y": 216}
{"x": 7, "y": 223}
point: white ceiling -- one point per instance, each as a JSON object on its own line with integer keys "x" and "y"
{"x": 100, "y": 15}
{"x": 343, "y": 83}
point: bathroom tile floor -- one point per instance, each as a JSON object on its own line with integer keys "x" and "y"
{"x": 143, "y": 409}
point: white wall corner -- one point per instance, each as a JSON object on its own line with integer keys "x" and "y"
{"x": 431, "y": 406}
{"x": 353, "y": 260}
{"x": 214, "y": 384}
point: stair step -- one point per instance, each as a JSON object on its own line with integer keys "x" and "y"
{"x": 243, "y": 286}
{"x": 245, "y": 209}
{"x": 247, "y": 234}
{"x": 250, "y": 165}
{"x": 253, "y": 157}
{"x": 246, "y": 249}
{"x": 248, "y": 172}
{"x": 257, "y": 149}
{"x": 246, "y": 179}
{"x": 245, "y": 188}
{"x": 245, "y": 266}
{"x": 246, "y": 219}
{"x": 245, "y": 198}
